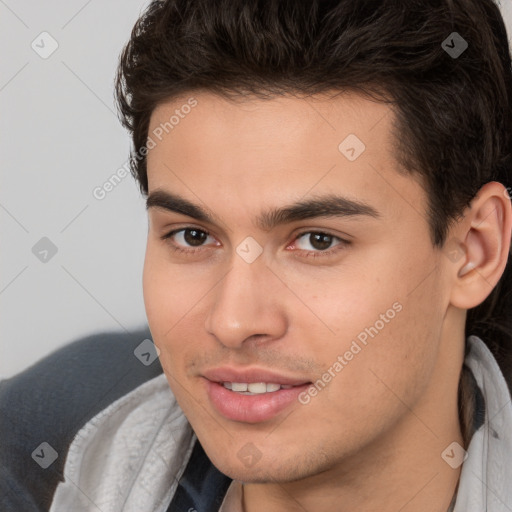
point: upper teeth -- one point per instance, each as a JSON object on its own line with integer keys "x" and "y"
{"x": 253, "y": 387}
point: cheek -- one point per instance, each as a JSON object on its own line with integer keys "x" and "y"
{"x": 386, "y": 319}
{"x": 340, "y": 302}
{"x": 392, "y": 357}
{"x": 164, "y": 302}
{"x": 170, "y": 295}
{"x": 174, "y": 300}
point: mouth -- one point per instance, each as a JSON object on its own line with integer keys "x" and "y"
{"x": 254, "y": 388}
{"x": 251, "y": 397}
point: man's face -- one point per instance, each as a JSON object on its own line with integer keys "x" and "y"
{"x": 346, "y": 304}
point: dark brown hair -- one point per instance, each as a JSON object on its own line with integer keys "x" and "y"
{"x": 453, "y": 113}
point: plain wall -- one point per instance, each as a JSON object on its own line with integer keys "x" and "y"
{"x": 60, "y": 140}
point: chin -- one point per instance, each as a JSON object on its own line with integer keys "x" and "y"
{"x": 270, "y": 469}
{"x": 262, "y": 475}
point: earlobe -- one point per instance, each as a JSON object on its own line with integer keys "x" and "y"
{"x": 485, "y": 232}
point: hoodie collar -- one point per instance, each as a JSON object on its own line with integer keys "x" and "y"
{"x": 486, "y": 473}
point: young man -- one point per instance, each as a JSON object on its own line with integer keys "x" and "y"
{"x": 326, "y": 277}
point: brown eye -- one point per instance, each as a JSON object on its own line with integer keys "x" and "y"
{"x": 194, "y": 237}
{"x": 187, "y": 239}
{"x": 318, "y": 241}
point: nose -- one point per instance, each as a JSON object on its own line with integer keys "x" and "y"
{"x": 245, "y": 305}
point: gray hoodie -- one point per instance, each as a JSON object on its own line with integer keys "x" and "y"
{"x": 133, "y": 450}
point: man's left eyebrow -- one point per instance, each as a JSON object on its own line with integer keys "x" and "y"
{"x": 325, "y": 206}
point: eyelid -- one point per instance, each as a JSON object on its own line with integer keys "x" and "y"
{"x": 169, "y": 234}
{"x": 342, "y": 243}
{"x": 305, "y": 231}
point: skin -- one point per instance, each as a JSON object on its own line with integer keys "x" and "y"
{"x": 372, "y": 438}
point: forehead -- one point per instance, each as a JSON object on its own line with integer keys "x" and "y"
{"x": 289, "y": 119}
{"x": 253, "y": 151}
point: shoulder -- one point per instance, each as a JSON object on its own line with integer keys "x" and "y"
{"x": 43, "y": 407}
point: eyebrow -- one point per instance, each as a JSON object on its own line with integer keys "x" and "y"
{"x": 330, "y": 205}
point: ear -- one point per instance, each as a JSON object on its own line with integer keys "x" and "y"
{"x": 483, "y": 238}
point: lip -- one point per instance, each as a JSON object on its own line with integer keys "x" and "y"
{"x": 251, "y": 408}
{"x": 226, "y": 374}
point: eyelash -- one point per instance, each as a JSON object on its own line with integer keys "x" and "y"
{"x": 309, "y": 254}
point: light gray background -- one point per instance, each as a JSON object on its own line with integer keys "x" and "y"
{"x": 61, "y": 139}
